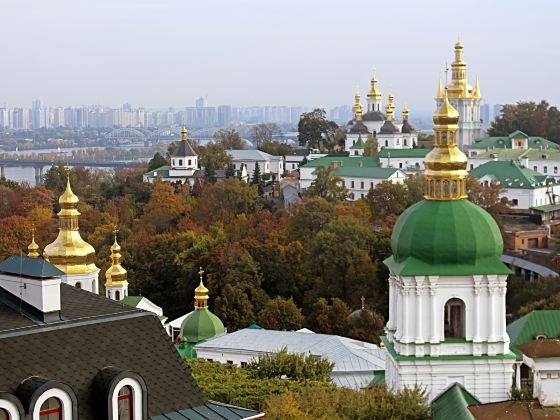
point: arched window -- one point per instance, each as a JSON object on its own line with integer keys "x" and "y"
{"x": 4, "y": 415}
{"x": 117, "y": 295}
{"x": 51, "y": 409}
{"x": 454, "y": 318}
{"x": 126, "y": 403}
{"x": 78, "y": 285}
{"x": 405, "y": 143}
{"x": 386, "y": 143}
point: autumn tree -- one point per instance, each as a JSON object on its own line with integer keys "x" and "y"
{"x": 275, "y": 148}
{"x": 264, "y": 133}
{"x": 309, "y": 217}
{"x": 327, "y": 185}
{"x": 533, "y": 119}
{"x": 234, "y": 308}
{"x": 371, "y": 147}
{"x": 328, "y": 318}
{"x": 315, "y": 131}
{"x": 291, "y": 366}
{"x": 489, "y": 197}
{"x": 281, "y": 314}
{"x": 165, "y": 207}
{"x": 229, "y": 138}
{"x": 387, "y": 198}
{"x": 365, "y": 325}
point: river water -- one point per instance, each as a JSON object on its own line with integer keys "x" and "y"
{"x": 27, "y": 174}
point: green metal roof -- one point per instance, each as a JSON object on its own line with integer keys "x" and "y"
{"x": 506, "y": 142}
{"x": 29, "y": 267}
{"x": 518, "y": 154}
{"x": 378, "y": 377}
{"x": 511, "y": 174}
{"x": 211, "y": 410}
{"x": 345, "y": 161}
{"x": 359, "y": 144}
{"x": 453, "y": 404}
{"x": 446, "y": 238}
{"x": 158, "y": 170}
{"x": 364, "y": 172}
{"x": 200, "y": 325}
{"x": 132, "y": 300}
{"x": 528, "y": 327}
{"x": 404, "y": 153}
{"x": 546, "y": 207}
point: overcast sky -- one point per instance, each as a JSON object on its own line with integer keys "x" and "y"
{"x": 158, "y": 53}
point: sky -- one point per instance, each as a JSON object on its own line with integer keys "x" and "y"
{"x": 160, "y": 53}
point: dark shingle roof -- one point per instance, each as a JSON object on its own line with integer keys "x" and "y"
{"x": 359, "y": 128}
{"x": 373, "y": 116}
{"x": 407, "y": 128}
{"x": 75, "y": 352}
{"x": 389, "y": 128}
{"x": 184, "y": 148}
{"x": 29, "y": 267}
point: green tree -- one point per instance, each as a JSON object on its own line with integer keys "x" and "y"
{"x": 157, "y": 162}
{"x": 292, "y": 366}
{"x": 234, "y": 308}
{"x": 276, "y": 149}
{"x": 55, "y": 179}
{"x": 214, "y": 157}
{"x": 309, "y": 217}
{"x": 371, "y": 147}
{"x": 257, "y": 178}
{"x": 229, "y": 138}
{"x": 281, "y": 314}
{"x": 328, "y": 318}
{"x": 315, "y": 131}
{"x": 327, "y": 185}
{"x": 230, "y": 171}
{"x": 387, "y": 198}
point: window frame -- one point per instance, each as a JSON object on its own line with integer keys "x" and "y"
{"x": 56, "y": 410}
{"x": 138, "y": 397}
{"x": 63, "y": 393}
{"x": 11, "y": 405}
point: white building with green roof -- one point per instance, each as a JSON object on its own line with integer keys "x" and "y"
{"x": 358, "y": 174}
{"x": 524, "y": 188}
{"x": 517, "y": 140}
{"x": 408, "y": 160}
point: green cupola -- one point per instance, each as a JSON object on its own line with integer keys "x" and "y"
{"x": 201, "y": 324}
{"x": 446, "y": 234}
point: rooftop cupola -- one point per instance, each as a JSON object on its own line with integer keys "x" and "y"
{"x": 33, "y": 248}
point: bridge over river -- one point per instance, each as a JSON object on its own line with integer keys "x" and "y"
{"x": 40, "y": 164}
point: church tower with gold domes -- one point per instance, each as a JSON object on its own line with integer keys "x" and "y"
{"x": 464, "y": 98}
{"x": 116, "y": 284}
{"x": 447, "y": 284}
{"x": 69, "y": 252}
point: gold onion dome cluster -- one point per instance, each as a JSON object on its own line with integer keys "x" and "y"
{"x": 69, "y": 252}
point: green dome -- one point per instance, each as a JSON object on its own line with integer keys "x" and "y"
{"x": 200, "y": 325}
{"x": 446, "y": 238}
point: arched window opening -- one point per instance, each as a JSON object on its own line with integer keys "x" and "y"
{"x": 78, "y": 285}
{"x": 51, "y": 409}
{"x": 454, "y": 319}
{"x": 386, "y": 143}
{"x": 126, "y": 403}
{"x": 4, "y": 415}
{"x": 117, "y": 295}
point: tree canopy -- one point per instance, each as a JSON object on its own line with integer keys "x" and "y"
{"x": 315, "y": 131}
{"x": 327, "y": 185}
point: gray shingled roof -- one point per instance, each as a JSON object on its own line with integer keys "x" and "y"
{"x": 359, "y": 128}
{"x": 388, "y": 128}
{"x": 184, "y": 148}
{"x": 373, "y": 116}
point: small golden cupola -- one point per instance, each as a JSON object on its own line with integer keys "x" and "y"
{"x": 33, "y": 248}
{"x": 374, "y": 93}
{"x": 459, "y": 87}
{"x": 390, "y": 108}
{"x": 357, "y": 108}
{"x": 446, "y": 174}
{"x": 116, "y": 283}
{"x": 69, "y": 252}
{"x": 201, "y": 293}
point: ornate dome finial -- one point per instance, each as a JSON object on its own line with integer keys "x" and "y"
{"x": 116, "y": 274}
{"x": 33, "y": 248}
{"x": 357, "y": 108}
{"x": 184, "y": 133}
{"x": 201, "y": 293}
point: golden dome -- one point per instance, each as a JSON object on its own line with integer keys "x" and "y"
{"x": 33, "y": 248}
{"x": 69, "y": 252}
{"x": 184, "y": 133}
{"x": 201, "y": 293}
{"x": 116, "y": 274}
{"x": 357, "y": 108}
{"x": 390, "y": 107}
{"x": 405, "y": 113}
{"x": 445, "y": 175}
{"x": 373, "y": 93}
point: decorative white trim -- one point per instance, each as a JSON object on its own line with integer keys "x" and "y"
{"x": 10, "y": 408}
{"x": 136, "y": 397}
{"x": 64, "y": 399}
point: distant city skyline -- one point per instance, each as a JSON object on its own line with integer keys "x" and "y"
{"x": 165, "y": 53}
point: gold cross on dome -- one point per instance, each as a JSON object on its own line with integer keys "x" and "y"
{"x": 200, "y": 273}
{"x": 363, "y": 299}
{"x": 115, "y": 231}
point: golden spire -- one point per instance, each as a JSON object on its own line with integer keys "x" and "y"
{"x": 33, "y": 248}
{"x": 440, "y": 90}
{"x": 458, "y": 88}
{"x": 184, "y": 133}
{"x": 445, "y": 175}
{"x": 201, "y": 293}
{"x": 363, "y": 299}
{"x": 476, "y": 92}
{"x": 357, "y": 108}
{"x": 390, "y": 107}
{"x": 373, "y": 91}
{"x": 405, "y": 113}
{"x": 116, "y": 274}
{"x": 69, "y": 252}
